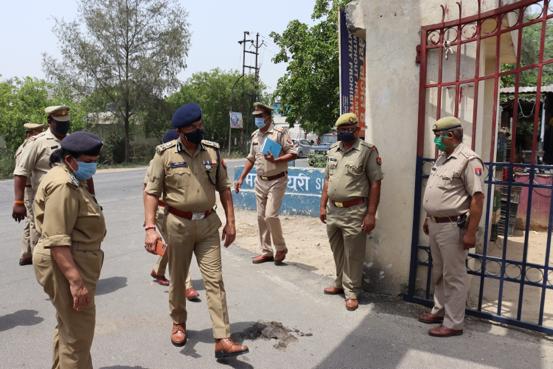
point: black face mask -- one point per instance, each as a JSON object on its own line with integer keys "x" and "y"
{"x": 195, "y": 137}
{"x": 61, "y": 128}
{"x": 345, "y": 136}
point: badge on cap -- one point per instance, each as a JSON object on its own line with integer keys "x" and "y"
{"x": 478, "y": 171}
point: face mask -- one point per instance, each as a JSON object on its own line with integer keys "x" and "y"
{"x": 260, "y": 122}
{"x": 345, "y": 136}
{"x": 85, "y": 170}
{"x": 61, "y": 128}
{"x": 439, "y": 143}
{"x": 195, "y": 137}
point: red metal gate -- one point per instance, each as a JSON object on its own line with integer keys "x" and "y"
{"x": 463, "y": 64}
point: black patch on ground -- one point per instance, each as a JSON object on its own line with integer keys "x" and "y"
{"x": 272, "y": 331}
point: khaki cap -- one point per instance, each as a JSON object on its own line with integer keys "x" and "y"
{"x": 346, "y": 119}
{"x": 260, "y": 108}
{"x": 446, "y": 124}
{"x": 30, "y": 126}
{"x": 58, "y": 112}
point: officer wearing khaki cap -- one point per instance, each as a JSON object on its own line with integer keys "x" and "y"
{"x": 186, "y": 173}
{"x": 453, "y": 201}
{"x": 34, "y": 161}
{"x": 270, "y": 183}
{"x": 350, "y": 197}
{"x": 25, "y": 258}
{"x": 67, "y": 258}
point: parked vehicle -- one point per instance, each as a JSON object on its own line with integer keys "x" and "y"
{"x": 306, "y": 147}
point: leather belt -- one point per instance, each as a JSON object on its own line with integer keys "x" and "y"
{"x": 276, "y": 176}
{"x": 348, "y": 203}
{"x": 452, "y": 219}
{"x": 28, "y": 186}
{"x": 161, "y": 204}
{"x": 188, "y": 214}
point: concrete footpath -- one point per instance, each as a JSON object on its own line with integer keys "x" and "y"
{"x": 312, "y": 330}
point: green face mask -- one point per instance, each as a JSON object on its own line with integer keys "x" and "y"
{"x": 439, "y": 143}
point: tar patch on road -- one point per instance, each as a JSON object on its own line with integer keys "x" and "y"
{"x": 272, "y": 331}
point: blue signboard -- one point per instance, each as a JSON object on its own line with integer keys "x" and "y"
{"x": 303, "y": 194}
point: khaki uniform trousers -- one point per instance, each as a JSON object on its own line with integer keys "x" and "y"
{"x": 200, "y": 237}
{"x": 160, "y": 265}
{"x": 449, "y": 274}
{"x": 347, "y": 241}
{"x": 268, "y": 197}
{"x": 75, "y": 329}
{"x": 30, "y": 234}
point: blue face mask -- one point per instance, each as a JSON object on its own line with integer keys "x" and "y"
{"x": 260, "y": 122}
{"x": 85, "y": 170}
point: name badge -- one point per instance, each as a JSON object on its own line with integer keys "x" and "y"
{"x": 208, "y": 164}
{"x": 180, "y": 164}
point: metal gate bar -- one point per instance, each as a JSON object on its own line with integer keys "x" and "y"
{"x": 437, "y": 37}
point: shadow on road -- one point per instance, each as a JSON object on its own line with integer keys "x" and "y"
{"x": 109, "y": 285}
{"x": 19, "y": 318}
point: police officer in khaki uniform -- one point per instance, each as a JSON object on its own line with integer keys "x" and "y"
{"x": 158, "y": 270}
{"x": 34, "y": 162}
{"x": 186, "y": 173}
{"x": 26, "y": 258}
{"x": 350, "y": 197}
{"x": 67, "y": 258}
{"x": 453, "y": 202}
{"x": 270, "y": 183}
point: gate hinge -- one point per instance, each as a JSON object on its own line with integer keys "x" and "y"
{"x": 418, "y": 56}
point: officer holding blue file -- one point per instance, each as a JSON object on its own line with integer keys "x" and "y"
{"x": 271, "y": 180}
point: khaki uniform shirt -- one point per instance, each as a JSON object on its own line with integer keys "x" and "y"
{"x": 66, "y": 214}
{"x": 187, "y": 181}
{"x": 262, "y": 166}
{"x": 453, "y": 180}
{"x": 35, "y": 157}
{"x": 17, "y": 157}
{"x": 350, "y": 172}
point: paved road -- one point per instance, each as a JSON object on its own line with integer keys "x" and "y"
{"x": 133, "y": 323}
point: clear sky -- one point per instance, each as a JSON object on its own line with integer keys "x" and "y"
{"x": 216, "y": 26}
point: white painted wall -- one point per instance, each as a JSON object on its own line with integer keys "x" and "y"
{"x": 392, "y": 29}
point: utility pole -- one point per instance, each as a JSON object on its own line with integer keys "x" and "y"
{"x": 246, "y": 66}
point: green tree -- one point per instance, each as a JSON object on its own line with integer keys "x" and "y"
{"x": 531, "y": 38}
{"x": 309, "y": 91}
{"x": 129, "y": 52}
{"x": 21, "y": 101}
{"x": 217, "y": 93}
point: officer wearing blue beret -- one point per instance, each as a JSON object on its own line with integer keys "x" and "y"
{"x": 158, "y": 270}
{"x": 187, "y": 172}
{"x": 67, "y": 258}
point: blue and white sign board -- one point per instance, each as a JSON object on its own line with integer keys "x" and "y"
{"x": 303, "y": 194}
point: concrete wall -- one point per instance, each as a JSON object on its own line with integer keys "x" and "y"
{"x": 392, "y": 30}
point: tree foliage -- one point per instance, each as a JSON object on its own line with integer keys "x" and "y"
{"x": 218, "y": 92}
{"x": 531, "y": 38}
{"x": 127, "y": 53}
{"x": 309, "y": 91}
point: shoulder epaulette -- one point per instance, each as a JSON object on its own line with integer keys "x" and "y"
{"x": 334, "y": 145}
{"x": 211, "y": 144}
{"x": 368, "y": 145}
{"x": 254, "y": 132}
{"x": 161, "y": 148}
{"x": 280, "y": 129}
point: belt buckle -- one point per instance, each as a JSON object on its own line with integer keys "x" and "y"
{"x": 265, "y": 178}
{"x": 338, "y": 204}
{"x": 198, "y": 216}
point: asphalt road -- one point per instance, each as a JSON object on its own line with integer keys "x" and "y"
{"x": 133, "y": 325}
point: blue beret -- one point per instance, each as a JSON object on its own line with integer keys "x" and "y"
{"x": 170, "y": 135}
{"x": 82, "y": 142}
{"x": 186, "y": 115}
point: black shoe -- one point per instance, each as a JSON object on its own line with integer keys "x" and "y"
{"x": 28, "y": 260}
